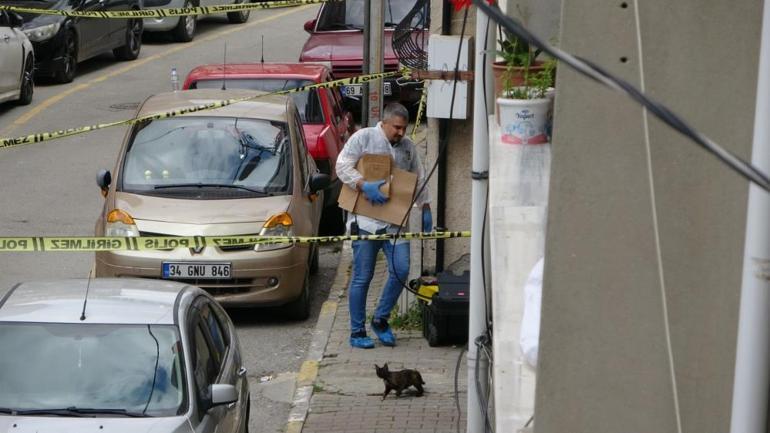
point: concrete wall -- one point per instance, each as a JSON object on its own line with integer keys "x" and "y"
{"x": 639, "y": 335}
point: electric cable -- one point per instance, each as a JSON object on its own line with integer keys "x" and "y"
{"x": 601, "y": 76}
{"x": 408, "y": 51}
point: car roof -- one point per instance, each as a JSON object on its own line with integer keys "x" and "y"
{"x": 271, "y": 107}
{"x": 110, "y": 301}
{"x": 302, "y": 71}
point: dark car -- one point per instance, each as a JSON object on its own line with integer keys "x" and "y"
{"x": 60, "y": 42}
{"x": 337, "y": 40}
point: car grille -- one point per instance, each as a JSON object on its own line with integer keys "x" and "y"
{"x": 223, "y": 286}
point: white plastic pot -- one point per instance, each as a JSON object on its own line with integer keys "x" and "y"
{"x": 524, "y": 121}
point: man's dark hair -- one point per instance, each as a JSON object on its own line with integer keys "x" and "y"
{"x": 394, "y": 109}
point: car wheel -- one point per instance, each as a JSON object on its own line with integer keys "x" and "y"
{"x": 130, "y": 50}
{"x": 314, "y": 260}
{"x": 299, "y": 309}
{"x": 238, "y": 17}
{"x": 27, "y": 83}
{"x": 66, "y": 73}
{"x": 185, "y": 28}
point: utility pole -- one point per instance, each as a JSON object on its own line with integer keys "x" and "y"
{"x": 477, "y": 325}
{"x": 752, "y": 359}
{"x": 374, "y": 29}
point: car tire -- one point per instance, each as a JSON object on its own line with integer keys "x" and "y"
{"x": 69, "y": 58}
{"x": 314, "y": 261}
{"x": 185, "y": 28}
{"x": 133, "y": 41}
{"x": 332, "y": 221}
{"x": 238, "y": 17}
{"x": 299, "y": 309}
{"x": 27, "y": 83}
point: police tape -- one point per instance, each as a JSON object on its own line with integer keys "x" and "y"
{"x": 162, "y": 13}
{"x": 420, "y": 109}
{"x": 144, "y": 243}
{"x": 53, "y": 135}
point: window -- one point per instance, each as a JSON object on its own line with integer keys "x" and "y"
{"x": 218, "y": 340}
{"x": 349, "y": 14}
{"x": 302, "y": 149}
{"x": 336, "y": 110}
{"x": 206, "y": 367}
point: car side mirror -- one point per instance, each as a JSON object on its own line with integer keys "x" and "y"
{"x": 319, "y": 181}
{"x": 222, "y": 394}
{"x": 15, "y": 20}
{"x": 310, "y": 26}
{"x": 103, "y": 180}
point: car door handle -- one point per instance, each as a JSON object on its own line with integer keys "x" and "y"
{"x": 242, "y": 371}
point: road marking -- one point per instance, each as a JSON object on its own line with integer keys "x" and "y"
{"x": 307, "y": 373}
{"x": 26, "y": 117}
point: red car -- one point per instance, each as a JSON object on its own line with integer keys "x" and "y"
{"x": 326, "y": 125}
{"x": 337, "y": 39}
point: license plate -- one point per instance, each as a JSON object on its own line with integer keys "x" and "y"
{"x": 352, "y": 90}
{"x": 196, "y": 270}
{"x": 356, "y": 89}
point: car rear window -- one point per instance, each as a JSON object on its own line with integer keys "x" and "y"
{"x": 50, "y": 366}
{"x": 196, "y": 157}
{"x": 308, "y": 103}
{"x": 349, "y": 14}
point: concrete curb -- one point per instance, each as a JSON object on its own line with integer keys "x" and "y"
{"x": 308, "y": 372}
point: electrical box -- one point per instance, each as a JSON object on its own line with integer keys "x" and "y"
{"x": 442, "y": 56}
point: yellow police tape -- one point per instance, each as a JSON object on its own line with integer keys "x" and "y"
{"x": 161, "y": 13}
{"x": 53, "y": 135}
{"x": 143, "y": 243}
{"x": 420, "y": 109}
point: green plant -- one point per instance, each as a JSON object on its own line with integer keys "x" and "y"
{"x": 411, "y": 319}
{"x": 536, "y": 85}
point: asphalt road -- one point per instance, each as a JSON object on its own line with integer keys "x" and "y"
{"x": 49, "y": 188}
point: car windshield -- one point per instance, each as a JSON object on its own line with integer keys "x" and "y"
{"x": 96, "y": 369}
{"x": 349, "y": 14}
{"x": 307, "y": 103}
{"x": 208, "y": 158}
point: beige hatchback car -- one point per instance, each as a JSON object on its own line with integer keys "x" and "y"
{"x": 243, "y": 169}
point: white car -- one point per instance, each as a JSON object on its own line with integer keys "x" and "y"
{"x": 17, "y": 60}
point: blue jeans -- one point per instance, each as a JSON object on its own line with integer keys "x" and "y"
{"x": 364, "y": 260}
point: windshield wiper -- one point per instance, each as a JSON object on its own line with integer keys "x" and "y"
{"x": 80, "y": 412}
{"x": 7, "y": 410}
{"x": 211, "y": 185}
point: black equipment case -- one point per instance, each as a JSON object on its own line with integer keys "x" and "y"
{"x": 445, "y": 317}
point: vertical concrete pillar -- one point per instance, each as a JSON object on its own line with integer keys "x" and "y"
{"x": 645, "y": 230}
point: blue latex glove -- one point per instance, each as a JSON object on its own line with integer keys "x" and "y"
{"x": 372, "y": 191}
{"x": 427, "y": 220}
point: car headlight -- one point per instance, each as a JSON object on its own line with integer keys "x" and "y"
{"x": 42, "y": 33}
{"x": 276, "y": 225}
{"x": 120, "y": 224}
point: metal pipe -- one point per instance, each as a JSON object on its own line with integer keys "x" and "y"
{"x": 365, "y": 69}
{"x": 477, "y": 325}
{"x": 443, "y": 135}
{"x": 752, "y": 358}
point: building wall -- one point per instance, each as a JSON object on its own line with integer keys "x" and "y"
{"x": 638, "y": 324}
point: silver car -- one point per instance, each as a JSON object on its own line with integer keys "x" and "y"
{"x": 182, "y": 29}
{"x": 119, "y": 355}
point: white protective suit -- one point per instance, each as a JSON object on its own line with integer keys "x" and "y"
{"x": 373, "y": 140}
{"x": 529, "y": 337}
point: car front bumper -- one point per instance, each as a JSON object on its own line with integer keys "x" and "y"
{"x": 49, "y": 57}
{"x": 258, "y": 278}
{"x": 161, "y": 24}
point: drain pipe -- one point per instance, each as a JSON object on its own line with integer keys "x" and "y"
{"x": 752, "y": 358}
{"x": 477, "y": 325}
{"x": 443, "y": 136}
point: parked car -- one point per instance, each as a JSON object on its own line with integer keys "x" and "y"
{"x": 326, "y": 124}
{"x": 182, "y": 29}
{"x": 17, "y": 60}
{"x": 242, "y": 169}
{"x": 139, "y": 356}
{"x": 61, "y": 42}
{"x": 337, "y": 39}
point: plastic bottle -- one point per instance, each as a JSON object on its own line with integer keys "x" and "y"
{"x": 174, "y": 80}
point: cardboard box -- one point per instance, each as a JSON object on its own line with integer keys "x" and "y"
{"x": 400, "y": 190}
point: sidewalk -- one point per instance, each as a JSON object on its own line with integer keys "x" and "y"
{"x": 338, "y": 390}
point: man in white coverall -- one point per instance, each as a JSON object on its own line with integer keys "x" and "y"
{"x": 386, "y": 138}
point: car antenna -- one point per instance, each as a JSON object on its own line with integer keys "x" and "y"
{"x": 224, "y": 70}
{"x": 262, "y": 58}
{"x": 85, "y": 300}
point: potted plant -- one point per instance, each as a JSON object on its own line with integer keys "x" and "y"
{"x": 518, "y": 60}
{"x": 524, "y": 111}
